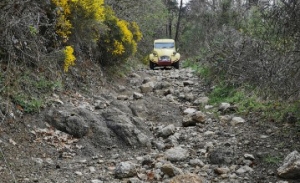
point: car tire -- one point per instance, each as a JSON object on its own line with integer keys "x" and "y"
{"x": 176, "y": 65}
{"x": 151, "y": 64}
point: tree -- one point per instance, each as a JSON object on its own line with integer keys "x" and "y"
{"x": 178, "y": 21}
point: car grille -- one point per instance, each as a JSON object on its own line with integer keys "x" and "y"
{"x": 165, "y": 58}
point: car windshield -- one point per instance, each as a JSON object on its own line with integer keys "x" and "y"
{"x": 163, "y": 45}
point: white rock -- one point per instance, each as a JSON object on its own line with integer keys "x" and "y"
{"x": 78, "y": 173}
{"x": 223, "y": 106}
{"x": 249, "y": 156}
{"x": 209, "y": 133}
{"x": 137, "y": 95}
{"x": 92, "y": 169}
{"x": 96, "y": 181}
{"x": 147, "y": 87}
{"x": 244, "y": 169}
{"x": 176, "y": 154}
{"x": 189, "y": 111}
{"x": 236, "y": 121}
{"x": 201, "y": 101}
{"x": 38, "y": 160}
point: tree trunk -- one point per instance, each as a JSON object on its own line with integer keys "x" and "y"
{"x": 178, "y": 21}
{"x": 170, "y": 27}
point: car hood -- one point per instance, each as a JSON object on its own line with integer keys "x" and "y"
{"x": 166, "y": 52}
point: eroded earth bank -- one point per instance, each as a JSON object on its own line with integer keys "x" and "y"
{"x": 154, "y": 126}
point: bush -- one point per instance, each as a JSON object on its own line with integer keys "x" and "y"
{"x": 120, "y": 42}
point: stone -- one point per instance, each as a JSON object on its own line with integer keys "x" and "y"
{"x": 196, "y": 162}
{"x": 134, "y": 75}
{"x": 137, "y": 95}
{"x": 125, "y": 128}
{"x": 188, "y": 82}
{"x": 244, "y": 169}
{"x": 92, "y": 169}
{"x": 187, "y": 178}
{"x": 96, "y": 181}
{"x": 138, "y": 108}
{"x": 236, "y": 121}
{"x": 249, "y": 156}
{"x": 76, "y": 126}
{"x": 122, "y": 97}
{"x": 176, "y": 154}
{"x": 166, "y": 131}
{"x": 188, "y": 121}
{"x": 168, "y": 169}
{"x": 221, "y": 156}
{"x": 147, "y": 87}
{"x": 78, "y": 173}
{"x": 201, "y": 101}
{"x": 291, "y": 166}
{"x": 225, "y": 119}
{"x": 209, "y": 133}
{"x": 38, "y": 160}
{"x": 224, "y": 106}
{"x": 199, "y": 117}
{"x": 189, "y": 111}
{"x": 222, "y": 170}
{"x": 125, "y": 170}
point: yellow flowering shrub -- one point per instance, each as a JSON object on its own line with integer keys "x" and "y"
{"x": 137, "y": 35}
{"x": 118, "y": 48}
{"x": 69, "y": 58}
{"x": 89, "y": 21}
{"x": 63, "y": 24}
{"x": 67, "y": 10}
{"x": 93, "y": 8}
{"x": 120, "y": 42}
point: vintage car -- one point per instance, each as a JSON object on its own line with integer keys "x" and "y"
{"x": 164, "y": 54}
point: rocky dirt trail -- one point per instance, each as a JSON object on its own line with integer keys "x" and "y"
{"x": 155, "y": 126}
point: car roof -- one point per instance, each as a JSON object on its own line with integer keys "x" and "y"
{"x": 164, "y": 40}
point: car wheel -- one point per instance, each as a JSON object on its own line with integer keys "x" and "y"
{"x": 151, "y": 64}
{"x": 176, "y": 65}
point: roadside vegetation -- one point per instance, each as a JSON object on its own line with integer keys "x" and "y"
{"x": 248, "y": 53}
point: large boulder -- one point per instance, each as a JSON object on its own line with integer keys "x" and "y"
{"x": 122, "y": 126}
{"x": 70, "y": 120}
{"x": 291, "y": 166}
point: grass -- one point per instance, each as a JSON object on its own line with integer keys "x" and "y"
{"x": 245, "y": 97}
{"x": 272, "y": 159}
{"x": 28, "y": 91}
{"x": 200, "y": 70}
{"x": 27, "y": 104}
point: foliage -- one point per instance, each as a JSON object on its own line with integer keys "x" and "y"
{"x": 27, "y": 103}
{"x": 247, "y": 99}
{"x": 69, "y": 58}
{"x": 200, "y": 69}
{"x": 67, "y": 11}
{"x": 150, "y": 16}
{"x": 259, "y": 26}
{"x": 272, "y": 159}
{"x": 120, "y": 42}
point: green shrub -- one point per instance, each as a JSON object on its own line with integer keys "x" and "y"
{"x": 28, "y": 104}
